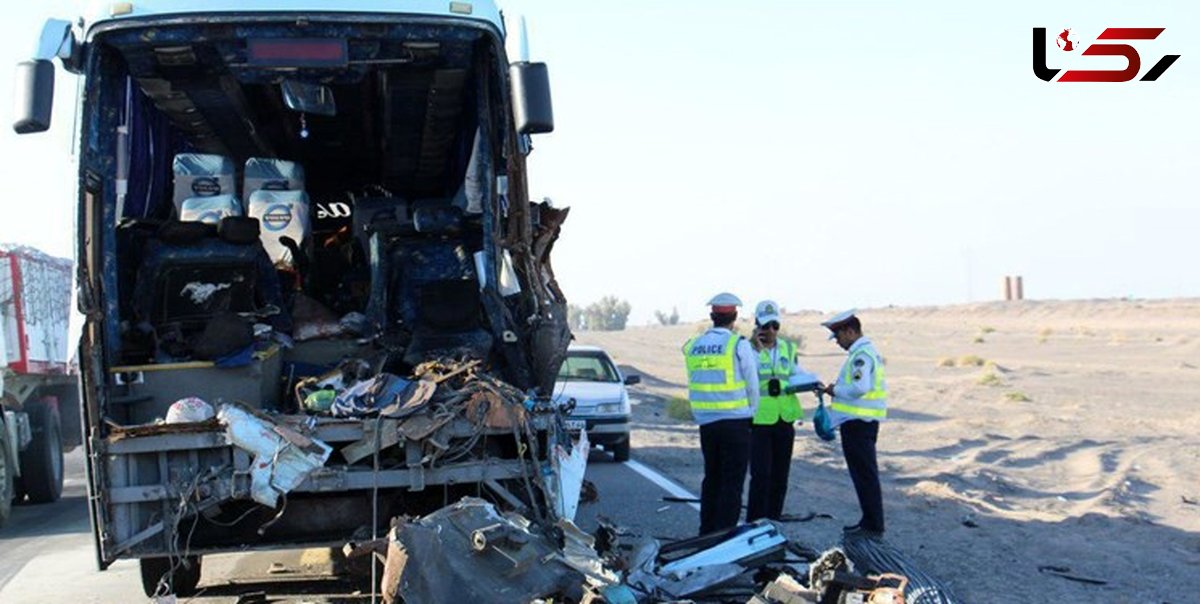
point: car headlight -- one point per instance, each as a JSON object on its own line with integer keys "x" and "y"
{"x": 609, "y": 408}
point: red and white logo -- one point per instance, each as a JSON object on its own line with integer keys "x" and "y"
{"x": 1106, "y": 45}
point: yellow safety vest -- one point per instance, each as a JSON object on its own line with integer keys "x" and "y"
{"x": 873, "y": 404}
{"x": 712, "y": 378}
{"x": 786, "y": 407}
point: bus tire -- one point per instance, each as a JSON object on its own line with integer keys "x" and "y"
{"x": 182, "y": 582}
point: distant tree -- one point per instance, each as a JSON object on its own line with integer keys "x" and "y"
{"x": 665, "y": 319}
{"x": 575, "y": 317}
{"x": 608, "y": 314}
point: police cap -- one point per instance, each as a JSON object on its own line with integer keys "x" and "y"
{"x": 725, "y": 302}
{"x": 836, "y": 321}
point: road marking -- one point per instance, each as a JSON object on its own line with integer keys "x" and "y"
{"x": 663, "y": 482}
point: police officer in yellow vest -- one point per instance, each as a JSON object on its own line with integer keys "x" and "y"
{"x": 773, "y": 431}
{"x": 859, "y": 405}
{"x": 722, "y": 372}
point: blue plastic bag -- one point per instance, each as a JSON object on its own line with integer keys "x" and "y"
{"x": 822, "y": 424}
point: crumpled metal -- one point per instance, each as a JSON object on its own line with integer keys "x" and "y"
{"x": 283, "y": 458}
{"x": 469, "y": 552}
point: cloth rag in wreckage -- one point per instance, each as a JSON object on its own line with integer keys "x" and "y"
{"x": 283, "y": 458}
{"x": 369, "y": 395}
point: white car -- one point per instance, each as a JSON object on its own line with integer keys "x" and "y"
{"x": 589, "y": 377}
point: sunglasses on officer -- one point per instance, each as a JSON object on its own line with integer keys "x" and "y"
{"x": 772, "y": 325}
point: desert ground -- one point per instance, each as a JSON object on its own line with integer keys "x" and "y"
{"x": 1021, "y": 436}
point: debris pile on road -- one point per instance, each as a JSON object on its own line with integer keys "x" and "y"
{"x": 470, "y": 552}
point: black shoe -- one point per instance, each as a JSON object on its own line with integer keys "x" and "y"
{"x": 861, "y": 531}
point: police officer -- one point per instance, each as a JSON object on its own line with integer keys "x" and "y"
{"x": 772, "y": 432}
{"x": 859, "y": 405}
{"x": 723, "y": 392}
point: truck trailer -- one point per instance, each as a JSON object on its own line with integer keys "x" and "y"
{"x": 39, "y": 407}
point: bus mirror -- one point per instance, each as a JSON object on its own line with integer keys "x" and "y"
{"x": 308, "y": 98}
{"x": 34, "y": 90}
{"x": 532, "y": 110}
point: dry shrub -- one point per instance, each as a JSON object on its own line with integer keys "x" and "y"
{"x": 970, "y": 360}
{"x": 1017, "y": 397}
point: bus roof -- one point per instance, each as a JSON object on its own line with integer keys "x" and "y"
{"x": 99, "y": 11}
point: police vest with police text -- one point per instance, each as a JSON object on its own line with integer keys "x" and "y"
{"x": 713, "y": 384}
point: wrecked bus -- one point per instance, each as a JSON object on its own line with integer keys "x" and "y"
{"x": 316, "y": 296}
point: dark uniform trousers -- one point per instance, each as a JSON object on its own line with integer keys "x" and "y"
{"x": 725, "y": 445}
{"x": 858, "y": 445}
{"x": 770, "y": 464}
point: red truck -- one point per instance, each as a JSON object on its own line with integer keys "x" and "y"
{"x": 38, "y": 380}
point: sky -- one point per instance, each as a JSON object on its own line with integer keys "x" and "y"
{"x": 822, "y": 154}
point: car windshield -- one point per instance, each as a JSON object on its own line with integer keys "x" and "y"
{"x": 587, "y": 367}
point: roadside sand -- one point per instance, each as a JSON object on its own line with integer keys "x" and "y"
{"x": 1081, "y": 450}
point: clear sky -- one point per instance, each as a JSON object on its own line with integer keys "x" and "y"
{"x": 825, "y": 154}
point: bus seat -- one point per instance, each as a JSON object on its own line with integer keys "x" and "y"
{"x": 201, "y": 175}
{"x": 282, "y": 214}
{"x": 272, "y": 175}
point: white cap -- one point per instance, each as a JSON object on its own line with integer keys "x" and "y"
{"x": 837, "y": 319}
{"x": 725, "y": 299}
{"x": 766, "y": 311}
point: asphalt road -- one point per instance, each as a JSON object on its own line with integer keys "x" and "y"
{"x": 46, "y": 552}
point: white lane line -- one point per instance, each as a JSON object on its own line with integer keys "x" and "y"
{"x": 663, "y": 482}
